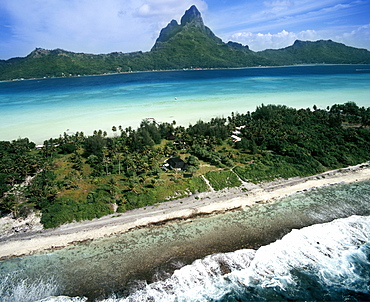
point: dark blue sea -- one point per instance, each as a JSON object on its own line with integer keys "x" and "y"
{"x": 310, "y": 246}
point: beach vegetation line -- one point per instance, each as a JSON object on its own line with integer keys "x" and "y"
{"x": 77, "y": 177}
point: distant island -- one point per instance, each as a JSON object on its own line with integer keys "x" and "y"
{"x": 188, "y": 45}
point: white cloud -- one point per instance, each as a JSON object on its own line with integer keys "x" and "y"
{"x": 98, "y": 26}
{"x": 282, "y": 39}
{"x": 75, "y": 25}
{"x": 90, "y": 25}
{"x": 279, "y": 5}
{"x": 158, "y": 13}
{"x": 276, "y": 15}
{"x": 167, "y": 8}
{"x": 360, "y": 37}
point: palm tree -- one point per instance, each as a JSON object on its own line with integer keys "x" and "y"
{"x": 105, "y": 153}
{"x": 9, "y": 204}
{"x": 114, "y": 129}
{"x": 119, "y": 156}
{"x": 119, "y": 149}
{"x": 112, "y": 187}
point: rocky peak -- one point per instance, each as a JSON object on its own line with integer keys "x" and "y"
{"x": 169, "y": 31}
{"x": 238, "y": 46}
{"x": 191, "y": 19}
{"x": 192, "y": 16}
{"x": 39, "y": 52}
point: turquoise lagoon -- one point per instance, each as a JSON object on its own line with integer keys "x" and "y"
{"x": 45, "y": 108}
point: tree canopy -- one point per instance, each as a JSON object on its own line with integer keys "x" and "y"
{"x": 77, "y": 177}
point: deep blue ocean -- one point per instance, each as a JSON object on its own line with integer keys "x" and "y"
{"x": 310, "y": 246}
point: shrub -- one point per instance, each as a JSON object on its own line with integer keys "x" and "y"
{"x": 68, "y": 210}
{"x": 68, "y": 148}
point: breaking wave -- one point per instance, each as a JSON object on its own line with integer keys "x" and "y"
{"x": 329, "y": 261}
{"x": 14, "y": 290}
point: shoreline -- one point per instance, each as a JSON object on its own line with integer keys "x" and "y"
{"x": 186, "y": 110}
{"x": 207, "y": 203}
{"x": 169, "y": 70}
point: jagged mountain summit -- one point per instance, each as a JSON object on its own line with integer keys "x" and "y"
{"x": 188, "y": 45}
{"x": 191, "y": 44}
{"x": 192, "y": 16}
{"x": 192, "y": 19}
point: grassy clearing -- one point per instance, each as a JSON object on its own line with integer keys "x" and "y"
{"x": 271, "y": 167}
{"x": 223, "y": 179}
{"x": 163, "y": 191}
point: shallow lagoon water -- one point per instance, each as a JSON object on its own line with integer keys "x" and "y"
{"x": 40, "y": 109}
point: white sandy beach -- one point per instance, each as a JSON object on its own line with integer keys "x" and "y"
{"x": 204, "y": 203}
{"x": 44, "y": 109}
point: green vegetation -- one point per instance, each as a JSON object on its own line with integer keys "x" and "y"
{"x": 69, "y": 210}
{"x": 223, "y": 179}
{"x": 327, "y": 52}
{"x": 78, "y": 177}
{"x": 189, "y": 45}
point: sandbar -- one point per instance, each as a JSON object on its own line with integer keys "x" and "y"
{"x": 207, "y": 203}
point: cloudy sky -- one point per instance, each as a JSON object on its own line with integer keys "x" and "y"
{"x": 103, "y": 26}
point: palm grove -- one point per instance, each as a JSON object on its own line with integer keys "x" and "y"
{"x": 77, "y": 177}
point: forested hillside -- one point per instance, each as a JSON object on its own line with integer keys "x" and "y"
{"x": 188, "y": 45}
{"x": 325, "y": 52}
{"x": 78, "y": 177}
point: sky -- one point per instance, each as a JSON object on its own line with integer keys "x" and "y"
{"x": 104, "y": 26}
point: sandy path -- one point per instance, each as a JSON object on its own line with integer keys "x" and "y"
{"x": 203, "y": 203}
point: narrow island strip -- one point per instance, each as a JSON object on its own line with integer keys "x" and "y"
{"x": 199, "y": 204}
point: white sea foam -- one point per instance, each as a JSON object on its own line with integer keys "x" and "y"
{"x": 63, "y": 299}
{"x": 335, "y": 253}
{"x": 324, "y": 249}
{"x": 26, "y": 290}
{"x": 192, "y": 280}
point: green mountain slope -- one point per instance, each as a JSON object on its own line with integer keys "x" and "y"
{"x": 328, "y": 52}
{"x": 57, "y": 63}
{"x": 189, "y": 44}
{"x": 193, "y": 45}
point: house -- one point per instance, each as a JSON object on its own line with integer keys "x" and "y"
{"x": 236, "y": 134}
{"x": 177, "y": 164}
{"x": 236, "y": 138}
{"x": 170, "y": 137}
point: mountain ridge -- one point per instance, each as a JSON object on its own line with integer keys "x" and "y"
{"x": 191, "y": 19}
{"x": 188, "y": 45}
